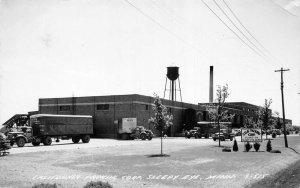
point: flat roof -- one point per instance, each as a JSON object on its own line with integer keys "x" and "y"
{"x": 58, "y": 115}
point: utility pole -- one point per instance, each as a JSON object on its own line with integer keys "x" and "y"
{"x": 282, "y": 99}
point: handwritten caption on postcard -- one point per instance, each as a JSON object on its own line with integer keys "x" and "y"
{"x": 255, "y": 176}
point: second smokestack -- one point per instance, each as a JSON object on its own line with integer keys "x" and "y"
{"x": 211, "y": 84}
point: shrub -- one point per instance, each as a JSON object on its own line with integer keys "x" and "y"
{"x": 275, "y": 151}
{"x": 97, "y": 184}
{"x": 256, "y": 146}
{"x": 248, "y": 146}
{"x": 273, "y": 135}
{"x": 47, "y": 185}
{"x": 226, "y": 150}
{"x": 269, "y": 146}
{"x": 235, "y": 146}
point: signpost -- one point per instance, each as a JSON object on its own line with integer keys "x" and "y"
{"x": 251, "y": 135}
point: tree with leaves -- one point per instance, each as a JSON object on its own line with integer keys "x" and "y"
{"x": 250, "y": 123}
{"x": 217, "y": 111}
{"x": 162, "y": 119}
{"x": 265, "y": 116}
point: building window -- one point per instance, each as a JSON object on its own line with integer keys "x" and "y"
{"x": 102, "y": 106}
{"x": 65, "y": 108}
{"x": 146, "y": 107}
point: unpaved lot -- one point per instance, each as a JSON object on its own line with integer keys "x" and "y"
{"x": 191, "y": 163}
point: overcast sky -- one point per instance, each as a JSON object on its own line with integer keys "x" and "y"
{"x": 60, "y": 48}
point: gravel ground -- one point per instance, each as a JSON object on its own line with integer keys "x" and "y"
{"x": 192, "y": 163}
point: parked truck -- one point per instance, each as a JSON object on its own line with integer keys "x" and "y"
{"x": 43, "y": 127}
{"x": 128, "y": 129}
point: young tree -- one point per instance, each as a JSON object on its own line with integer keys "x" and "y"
{"x": 250, "y": 123}
{"x": 161, "y": 120}
{"x": 265, "y": 116}
{"x": 217, "y": 111}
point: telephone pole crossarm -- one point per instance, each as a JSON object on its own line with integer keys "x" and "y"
{"x": 282, "y": 100}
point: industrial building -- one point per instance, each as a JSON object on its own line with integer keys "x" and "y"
{"x": 107, "y": 110}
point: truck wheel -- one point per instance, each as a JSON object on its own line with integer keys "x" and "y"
{"x": 36, "y": 143}
{"x": 47, "y": 141}
{"x": 143, "y": 136}
{"x": 21, "y": 142}
{"x": 85, "y": 138}
{"x": 75, "y": 139}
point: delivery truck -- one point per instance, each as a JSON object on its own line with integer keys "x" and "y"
{"x": 45, "y": 127}
{"x": 128, "y": 129}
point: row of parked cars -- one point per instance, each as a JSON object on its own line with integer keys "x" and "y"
{"x": 197, "y": 133}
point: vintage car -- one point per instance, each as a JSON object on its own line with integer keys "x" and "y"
{"x": 224, "y": 134}
{"x": 140, "y": 132}
{"x": 194, "y": 132}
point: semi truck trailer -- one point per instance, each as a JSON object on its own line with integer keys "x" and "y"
{"x": 45, "y": 127}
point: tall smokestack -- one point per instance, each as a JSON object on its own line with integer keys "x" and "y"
{"x": 211, "y": 84}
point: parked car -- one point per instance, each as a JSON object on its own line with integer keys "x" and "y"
{"x": 237, "y": 132}
{"x": 224, "y": 134}
{"x": 140, "y": 132}
{"x": 194, "y": 132}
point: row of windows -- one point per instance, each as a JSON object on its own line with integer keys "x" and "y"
{"x": 99, "y": 107}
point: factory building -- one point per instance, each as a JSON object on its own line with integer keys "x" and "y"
{"x": 107, "y": 110}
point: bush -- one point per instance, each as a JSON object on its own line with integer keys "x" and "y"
{"x": 248, "y": 146}
{"x": 226, "y": 150}
{"x": 97, "y": 184}
{"x": 256, "y": 146}
{"x": 235, "y": 146}
{"x": 269, "y": 146}
{"x": 273, "y": 135}
{"x": 42, "y": 185}
{"x": 275, "y": 151}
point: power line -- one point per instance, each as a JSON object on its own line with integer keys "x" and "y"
{"x": 161, "y": 26}
{"x": 249, "y": 33}
{"x": 232, "y": 30}
{"x": 238, "y": 28}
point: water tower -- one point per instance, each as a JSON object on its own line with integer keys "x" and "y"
{"x": 172, "y": 76}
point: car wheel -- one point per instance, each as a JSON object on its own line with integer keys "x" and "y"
{"x": 21, "y": 142}
{"x": 196, "y": 136}
{"x": 214, "y": 139}
{"x": 143, "y": 136}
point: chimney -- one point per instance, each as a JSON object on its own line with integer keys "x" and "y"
{"x": 211, "y": 84}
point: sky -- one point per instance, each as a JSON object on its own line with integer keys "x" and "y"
{"x": 65, "y": 48}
